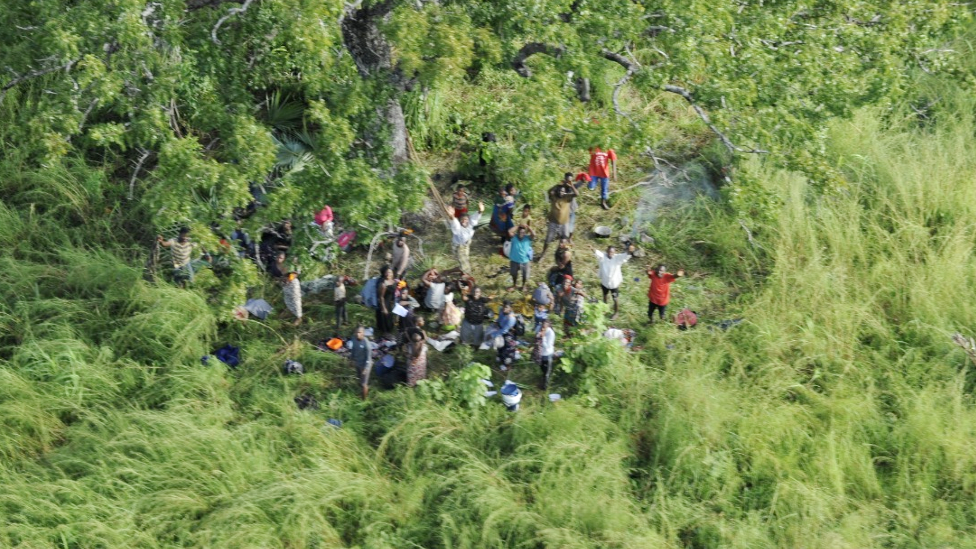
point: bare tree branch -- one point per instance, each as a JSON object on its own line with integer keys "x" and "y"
{"x": 632, "y": 67}
{"x": 530, "y": 49}
{"x": 193, "y": 5}
{"x": 34, "y": 74}
{"x": 230, "y": 13}
{"x": 132, "y": 181}
{"x": 708, "y": 121}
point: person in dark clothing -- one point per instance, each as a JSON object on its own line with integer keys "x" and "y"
{"x": 386, "y": 293}
{"x": 361, "y": 353}
{"x": 476, "y": 312}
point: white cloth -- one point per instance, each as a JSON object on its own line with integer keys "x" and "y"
{"x": 610, "y": 272}
{"x": 548, "y": 342}
{"x": 463, "y": 235}
{"x": 434, "y": 299}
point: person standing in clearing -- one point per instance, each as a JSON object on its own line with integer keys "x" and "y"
{"x": 600, "y": 164}
{"x": 339, "y": 300}
{"x": 181, "y": 249}
{"x": 416, "y": 359}
{"x": 386, "y": 290}
{"x": 292, "y": 292}
{"x": 476, "y": 312}
{"x": 361, "y": 353}
{"x": 560, "y": 203}
{"x": 460, "y": 201}
{"x": 462, "y": 229}
{"x": 544, "y": 351}
{"x": 659, "y": 293}
{"x": 610, "y": 273}
{"x": 520, "y": 255}
{"x": 400, "y": 259}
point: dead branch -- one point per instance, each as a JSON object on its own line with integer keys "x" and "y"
{"x": 632, "y": 67}
{"x": 752, "y": 242}
{"x": 193, "y": 5}
{"x": 530, "y": 49}
{"x": 732, "y": 147}
{"x": 230, "y": 13}
{"x": 968, "y": 344}
{"x": 135, "y": 173}
{"x": 34, "y": 74}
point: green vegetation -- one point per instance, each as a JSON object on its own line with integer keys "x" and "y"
{"x": 838, "y": 414}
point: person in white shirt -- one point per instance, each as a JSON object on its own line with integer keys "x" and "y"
{"x": 545, "y": 349}
{"x": 462, "y": 229}
{"x": 610, "y": 273}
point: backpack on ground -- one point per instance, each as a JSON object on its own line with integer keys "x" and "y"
{"x": 519, "y": 328}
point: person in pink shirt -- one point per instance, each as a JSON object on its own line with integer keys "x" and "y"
{"x": 602, "y": 165}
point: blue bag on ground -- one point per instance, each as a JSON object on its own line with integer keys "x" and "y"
{"x": 229, "y": 355}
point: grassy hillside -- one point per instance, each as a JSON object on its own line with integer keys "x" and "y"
{"x": 839, "y": 414}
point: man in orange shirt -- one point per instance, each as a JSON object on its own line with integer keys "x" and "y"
{"x": 600, "y": 164}
{"x": 659, "y": 294}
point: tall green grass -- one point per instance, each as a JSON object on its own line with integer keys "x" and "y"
{"x": 839, "y": 414}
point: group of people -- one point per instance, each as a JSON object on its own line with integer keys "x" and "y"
{"x": 454, "y": 296}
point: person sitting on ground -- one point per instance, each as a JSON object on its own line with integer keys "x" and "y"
{"x": 361, "y": 353}
{"x": 292, "y": 292}
{"x": 462, "y": 231}
{"x": 659, "y": 292}
{"x": 400, "y": 258}
{"x": 545, "y": 349}
{"x": 450, "y": 315}
{"x": 436, "y": 288}
{"x": 181, "y": 252}
{"x": 459, "y": 200}
{"x": 540, "y": 315}
{"x": 520, "y": 255}
{"x": 277, "y": 269}
{"x": 560, "y": 201}
{"x": 611, "y": 275}
{"x": 326, "y": 221}
{"x": 542, "y": 295}
{"x": 504, "y": 323}
{"x": 277, "y": 238}
{"x": 476, "y": 312}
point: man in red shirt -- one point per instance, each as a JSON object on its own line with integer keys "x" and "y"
{"x": 659, "y": 294}
{"x": 600, "y": 164}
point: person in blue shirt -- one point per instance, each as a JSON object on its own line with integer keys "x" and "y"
{"x": 520, "y": 255}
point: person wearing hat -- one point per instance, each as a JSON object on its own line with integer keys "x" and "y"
{"x": 659, "y": 292}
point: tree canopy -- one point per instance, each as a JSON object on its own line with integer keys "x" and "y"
{"x": 187, "y": 103}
